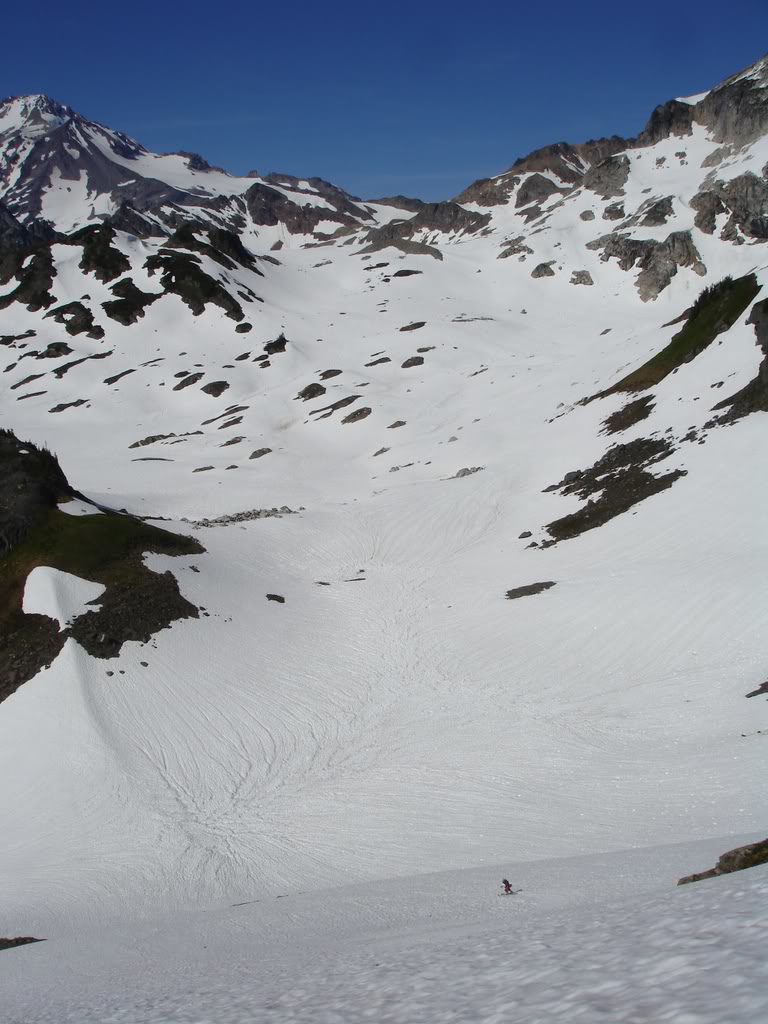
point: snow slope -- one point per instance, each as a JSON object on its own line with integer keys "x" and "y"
{"x": 397, "y": 714}
{"x": 588, "y": 939}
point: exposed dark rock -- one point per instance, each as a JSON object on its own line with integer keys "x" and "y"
{"x": 401, "y": 203}
{"x": 658, "y": 262}
{"x": 215, "y": 388}
{"x": 129, "y": 220}
{"x": 466, "y": 471}
{"x": 31, "y": 484}
{"x": 55, "y": 350}
{"x": 244, "y": 328}
{"x": 449, "y": 218}
{"x": 515, "y": 247}
{"x": 657, "y": 213}
{"x": 708, "y": 206}
{"x": 407, "y": 273}
{"x": 671, "y": 118}
{"x": 738, "y": 859}
{"x": 117, "y": 376}
{"x": 627, "y": 417}
{"x": 105, "y": 548}
{"x": 326, "y": 374}
{"x": 311, "y": 391}
{"x": 259, "y": 453}
{"x": 222, "y": 246}
{"x": 379, "y": 361}
{"x": 620, "y": 478}
{"x": 182, "y": 275}
{"x": 397, "y": 423}
{"x": 328, "y": 410}
{"x": 544, "y": 269}
{"x": 567, "y": 162}
{"x": 60, "y": 371}
{"x": 20, "y": 940}
{"x": 530, "y": 589}
{"x": 188, "y": 381}
{"x": 587, "y": 215}
{"x": 745, "y": 198}
{"x": 762, "y": 689}
{"x": 100, "y": 257}
{"x": 63, "y": 406}
{"x": 581, "y": 277}
{"x": 26, "y": 380}
{"x": 754, "y": 396}
{"x": 614, "y": 211}
{"x": 130, "y": 303}
{"x": 135, "y": 609}
{"x": 415, "y": 326}
{"x": 412, "y": 361}
{"x": 267, "y": 206}
{"x": 608, "y": 177}
{"x": 736, "y": 111}
{"x": 358, "y": 414}
{"x": 276, "y": 346}
{"x": 77, "y": 319}
{"x": 276, "y": 597}
{"x": 35, "y": 282}
{"x": 153, "y": 438}
{"x": 536, "y": 189}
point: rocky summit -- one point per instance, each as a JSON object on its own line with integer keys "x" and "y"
{"x": 348, "y": 538}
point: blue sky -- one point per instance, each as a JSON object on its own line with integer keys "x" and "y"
{"x": 379, "y": 97}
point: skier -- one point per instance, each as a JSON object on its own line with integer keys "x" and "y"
{"x": 508, "y": 890}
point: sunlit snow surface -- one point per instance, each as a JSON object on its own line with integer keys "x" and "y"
{"x": 593, "y": 939}
{"x": 60, "y": 595}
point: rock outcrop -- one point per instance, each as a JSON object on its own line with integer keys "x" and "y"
{"x": 658, "y": 262}
{"x": 738, "y": 859}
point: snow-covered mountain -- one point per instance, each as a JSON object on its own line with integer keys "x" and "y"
{"x": 446, "y": 535}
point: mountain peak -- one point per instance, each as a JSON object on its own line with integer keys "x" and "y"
{"x": 33, "y": 116}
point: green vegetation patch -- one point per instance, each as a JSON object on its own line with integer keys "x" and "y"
{"x": 716, "y": 310}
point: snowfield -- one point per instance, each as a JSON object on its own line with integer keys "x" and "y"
{"x": 600, "y": 938}
{"x": 299, "y": 805}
